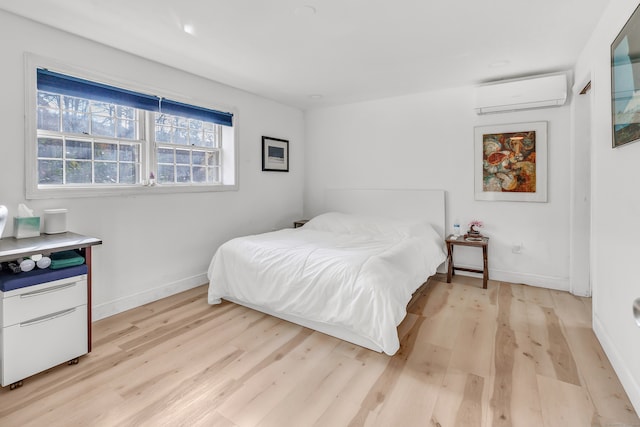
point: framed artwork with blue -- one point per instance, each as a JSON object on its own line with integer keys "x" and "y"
{"x": 275, "y": 154}
{"x": 625, "y": 82}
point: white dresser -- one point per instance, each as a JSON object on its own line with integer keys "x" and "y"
{"x": 44, "y": 321}
{"x": 42, "y": 326}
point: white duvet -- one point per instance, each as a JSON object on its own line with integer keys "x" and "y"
{"x": 356, "y": 273}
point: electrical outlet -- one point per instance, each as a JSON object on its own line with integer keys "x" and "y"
{"x": 516, "y": 248}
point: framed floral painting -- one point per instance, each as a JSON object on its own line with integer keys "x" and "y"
{"x": 511, "y": 162}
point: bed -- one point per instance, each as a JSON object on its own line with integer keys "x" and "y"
{"x": 349, "y": 272}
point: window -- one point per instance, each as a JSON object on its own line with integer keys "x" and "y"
{"x": 87, "y": 142}
{"x": 188, "y": 150}
{"x": 91, "y": 138}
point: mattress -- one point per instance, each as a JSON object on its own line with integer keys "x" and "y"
{"x": 346, "y": 271}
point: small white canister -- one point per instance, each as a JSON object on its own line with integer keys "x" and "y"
{"x": 55, "y": 221}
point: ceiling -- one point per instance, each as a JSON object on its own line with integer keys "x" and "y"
{"x": 311, "y": 53}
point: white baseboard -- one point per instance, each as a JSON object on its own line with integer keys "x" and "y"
{"x": 629, "y": 383}
{"x": 110, "y": 308}
{"x": 119, "y": 305}
{"x": 548, "y": 282}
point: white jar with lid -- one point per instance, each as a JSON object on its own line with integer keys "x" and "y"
{"x": 55, "y": 221}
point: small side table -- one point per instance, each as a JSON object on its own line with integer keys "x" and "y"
{"x": 451, "y": 241}
{"x": 300, "y": 223}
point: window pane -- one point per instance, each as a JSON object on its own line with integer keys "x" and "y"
{"x": 129, "y": 153}
{"x": 127, "y": 129}
{"x": 165, "y": 155}
{"x": 213, "y": 158}
{"x": 183, "y": 173}
{"x": 182, "y": 122}
{"x": 165, "y": 119}
{"x": 214, "y": 174}
{"x": 103, "y": 109}
{"x": 48, "y": 100}
{"x": 165, "y": 173}
{"x": 78, "y": 172}
{"x": 76, "y": 105}
{"x": 105, "y": 151}
{"x": 49, "y": 171}
{"x": 50, "y": 147}
{"x": 78, "y": 149}
{"x": 106, "y": 173}
{"x": 126, "y": 113}
{"x": 195, "y": 138}
{"x": 163, "y": 133}
{"x": 128, "y": 173}
{"x": 180, "y": 136}
{"x": 195, "y": 124}
{"x": 104, "y": 126}
{"x": 209, "y": 140}
{"x": 48, "y": 119}
{"x": 199, "y": 174}
{"x": 183, "y": 157}
{"x": 199, "y": 158}
{"x": 75, "y": 122}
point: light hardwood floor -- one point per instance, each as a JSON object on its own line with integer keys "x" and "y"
{"x": 510, "y": 355}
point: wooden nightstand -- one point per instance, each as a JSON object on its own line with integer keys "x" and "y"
{"x": 460, "y": 240}
{"x": 300, "y": 223}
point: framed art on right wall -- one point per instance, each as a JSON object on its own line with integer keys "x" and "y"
{"x": 275, "y": 154}
{"x": 625, "y": 83}
{"x": 511, "y": 162}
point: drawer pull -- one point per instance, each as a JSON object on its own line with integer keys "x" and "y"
{"x": 48, "y": 290}
{"x": 47, "y": 317}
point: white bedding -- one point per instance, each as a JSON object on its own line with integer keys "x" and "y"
{"x": 353, "y": 272}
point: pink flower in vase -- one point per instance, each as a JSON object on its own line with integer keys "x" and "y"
{"x": 474, "y": 227}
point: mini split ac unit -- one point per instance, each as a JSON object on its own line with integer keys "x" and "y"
{"x": 521, "y": 94}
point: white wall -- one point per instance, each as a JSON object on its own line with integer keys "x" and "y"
{"x": 426, "y": 141}
{"x": 158, "y": 244}
{"x": 615, "y": 248}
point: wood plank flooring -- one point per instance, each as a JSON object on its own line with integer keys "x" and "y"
{"x": 509, "y": 355}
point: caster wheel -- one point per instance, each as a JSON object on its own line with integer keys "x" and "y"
{"x": 15, "y": 385}
{"x": 73, "y": 361}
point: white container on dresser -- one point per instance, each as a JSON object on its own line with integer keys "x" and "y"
{"x": 43, "y": 325}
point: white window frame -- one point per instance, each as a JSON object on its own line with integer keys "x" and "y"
{"x": 229, "y": 160}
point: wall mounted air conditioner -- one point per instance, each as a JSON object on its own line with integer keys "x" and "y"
{"x": 521, "y": 94}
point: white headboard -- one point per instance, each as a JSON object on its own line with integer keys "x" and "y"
{"x": 398, "y": 204}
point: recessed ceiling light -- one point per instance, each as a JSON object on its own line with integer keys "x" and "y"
{"x": 189, "y": 29}
{"x": 316, "y": 96}
{"x": 305, "y": 11}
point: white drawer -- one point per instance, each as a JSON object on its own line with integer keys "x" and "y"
{"x": 39, "y": 300}
{"x": 41, "y": 343}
